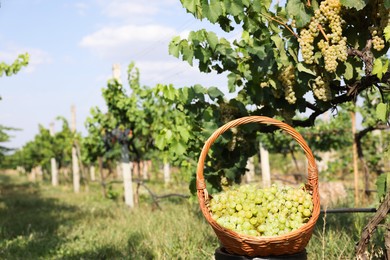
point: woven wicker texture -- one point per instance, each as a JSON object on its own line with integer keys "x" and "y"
{"x": 245, "y": 245}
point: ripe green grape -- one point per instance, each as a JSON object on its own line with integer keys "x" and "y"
{"x": 287, "y": 78}
{"x": 326, "y": 24}
{"x": 252, "y": 211}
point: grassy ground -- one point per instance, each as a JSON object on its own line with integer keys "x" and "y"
{"x": 41, "y": 222}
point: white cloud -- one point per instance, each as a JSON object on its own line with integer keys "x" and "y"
{"x": 81, "y": 8}
{"x": 128, "y": 40}
{"x": 133, "y": 9}
{"x": 123, "y": 9}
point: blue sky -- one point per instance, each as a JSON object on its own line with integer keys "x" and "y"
{"x": 72, "y": 47}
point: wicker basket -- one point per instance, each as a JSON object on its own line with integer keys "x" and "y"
{"x": 244, "y": 245}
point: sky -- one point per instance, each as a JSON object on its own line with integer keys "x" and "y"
{"x": 73, "y": 46}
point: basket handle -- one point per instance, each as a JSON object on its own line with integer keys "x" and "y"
{"x": 312, "y": 168}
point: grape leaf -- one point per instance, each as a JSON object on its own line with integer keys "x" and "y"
{"x": 179, "y": 148}
{"x": 174, "y": 47}
{"x": 302, "y": 68}
{"x": 212, "y": 39}
{"x": 297, "y": 10}
{"x": 387, "y": 4}
{"x": 378, "y": 68}
{"x": 214, "y": 93}
{"x": 190, "y": 5}
{"x": 357, "y": 4}
{"x": 348, "y": 71}
{"x": 381, "y": 183}
{"x": 381, "y": 111}
{"x": 386, "y": 32}
{"x": 212, "y": 11}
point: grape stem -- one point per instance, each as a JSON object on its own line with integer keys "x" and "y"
{"x": 323, "y": 32}
{"x": 281, "y": 23}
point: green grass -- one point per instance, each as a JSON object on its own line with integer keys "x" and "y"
{"x": 38, "y": 221}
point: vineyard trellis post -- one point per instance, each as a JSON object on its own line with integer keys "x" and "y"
{"x": 265, "y": 168}
{"x": 75, "y": 163}
{"x": 54, "y": 170}
{"x": 125, "y": 159}
{"x": 355, "y": 158}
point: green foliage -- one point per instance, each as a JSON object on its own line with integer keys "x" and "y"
{"x": 5, "y": 137}
{"x": 16, "y": 66}
{"x": 45, "y": 222}
{"x": 280, "y": 67}
{"x": 44, "y": 146}
{"x": 382, "y": 184}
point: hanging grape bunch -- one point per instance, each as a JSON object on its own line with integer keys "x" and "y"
{"x": 271, "y": 211}
{"x": 327, "y": 24}
{"x": 287, "y": 77}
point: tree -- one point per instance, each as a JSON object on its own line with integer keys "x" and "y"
{"x": 4, "y": 137}
{"x": 292, "y": 58}
{"x": 14, "y": 68}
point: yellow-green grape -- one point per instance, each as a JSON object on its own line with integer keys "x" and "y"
{"x": 287, "y": 78}
{"x": 377, "y": 40}
{"x": 306, "y": 40}
{"x": 264, "y": 84}
{"x": 378, "y": 43}
{"x": 321, "y": 89}
{"x": 252, "y": 211}
{"x": 334, "y": 49}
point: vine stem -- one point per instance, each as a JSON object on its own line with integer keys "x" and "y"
{"x": 281, "y": 23}
{"x": 323, "y": 32}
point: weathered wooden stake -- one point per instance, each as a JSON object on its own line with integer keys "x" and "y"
{"x": 125, "y": 161}
{"x": 75, "y": 163}
{"x": 250, "y": 174}
{"x": 54, "y": 170}
{"x": 265, "y": 168}
{"x": 355, "y": 158}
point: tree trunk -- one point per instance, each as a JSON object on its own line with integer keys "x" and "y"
{"x": 127, "y": 179}
{"x": 379, "y": 216}
{"x": 265, "y": 168}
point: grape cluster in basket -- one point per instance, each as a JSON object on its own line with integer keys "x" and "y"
{"x": 272, "y": 211}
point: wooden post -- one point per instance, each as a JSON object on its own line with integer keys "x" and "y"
{"x": 116, "y": 72}
{"x": 54, "y": 170}
{"x": 75, "y": 163}
{"x": 250, "y": 174}
{"x": 355, "y": 158}
{"x": 102, "y": 178}
{"x": 125, "y": 162}
{"x": 92, "y": 172}
{"x": 265, "y": 168}
{"x": 167, "y": 172}
{"x": 127, "y": 178}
